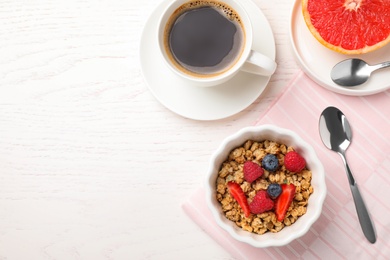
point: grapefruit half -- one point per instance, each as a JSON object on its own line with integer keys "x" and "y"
{"x": 349, "y": 26}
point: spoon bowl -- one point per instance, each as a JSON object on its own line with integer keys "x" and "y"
{"x": 336, "y": 134}
{"x": 354, "y": 72}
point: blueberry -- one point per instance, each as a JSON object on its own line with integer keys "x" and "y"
{"x": 274, "y": 190}
{"x": 270, "y": 162}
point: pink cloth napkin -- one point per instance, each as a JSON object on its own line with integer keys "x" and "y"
{"x": 337, "y": 233}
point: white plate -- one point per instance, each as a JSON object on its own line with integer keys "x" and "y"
{"x": 317, "y": 61}
{"x": 204, "y": 103}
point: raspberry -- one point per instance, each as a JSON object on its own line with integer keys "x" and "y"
{"x": 261, "y": 203}
{"x": 252, "y": 171}
{"x": 294, "y": 162}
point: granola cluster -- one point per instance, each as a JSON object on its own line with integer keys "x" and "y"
{"x": 232, "y": 170}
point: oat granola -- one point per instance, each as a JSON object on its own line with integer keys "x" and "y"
{"x": 232, "y": 170}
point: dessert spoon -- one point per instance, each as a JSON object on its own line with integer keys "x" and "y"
{"x": 336, "y": 134}
{"x": 353, "y": 72}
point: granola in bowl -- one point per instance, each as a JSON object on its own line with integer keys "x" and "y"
{"x": 232, "y": 171}
{"x": 273, "y": 201}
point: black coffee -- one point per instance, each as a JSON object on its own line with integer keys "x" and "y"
{"x": 205, "y": 38}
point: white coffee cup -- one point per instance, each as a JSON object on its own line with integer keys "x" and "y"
{"x": 248, "y": 60}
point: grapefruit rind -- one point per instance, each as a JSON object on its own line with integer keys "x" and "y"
{"x": 339, "y": 48}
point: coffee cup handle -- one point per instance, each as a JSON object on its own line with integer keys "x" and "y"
{"x": 260, "y": 64}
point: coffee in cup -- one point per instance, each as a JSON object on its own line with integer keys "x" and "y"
{"x": 204, "y": 38}
{"x": 206, "y": 42}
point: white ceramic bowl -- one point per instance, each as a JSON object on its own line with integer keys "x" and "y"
{"x": 280, "y": 135}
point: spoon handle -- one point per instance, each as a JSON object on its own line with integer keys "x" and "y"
{"x": 381, "y": 65}
{"x": 361, "y": 209}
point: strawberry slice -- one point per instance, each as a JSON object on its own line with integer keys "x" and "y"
{"x": 284, "y": 200}
{"x": 239, "y": 195}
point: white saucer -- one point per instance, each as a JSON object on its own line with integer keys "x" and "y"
{"x": 317, "y": 60}
{"x": 204, "y": 103}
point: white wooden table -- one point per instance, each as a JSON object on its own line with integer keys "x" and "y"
{"x": 92, "y": 166}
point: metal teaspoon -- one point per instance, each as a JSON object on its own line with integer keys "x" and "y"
{"x": 336, "y": 134}
{"x": 353, "y": 72}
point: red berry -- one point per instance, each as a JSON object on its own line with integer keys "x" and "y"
{"x": 284, "y": 200}
{"x": 239, "y": 195}
{"x": 261, "y": 203}
{"x": 294, "y": 162}
{"x": 252, "y": 171}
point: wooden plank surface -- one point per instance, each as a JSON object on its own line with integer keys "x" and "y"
{"x": 92, "y": 166}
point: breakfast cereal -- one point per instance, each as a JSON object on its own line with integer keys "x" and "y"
{"x": 232, "y": 171}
